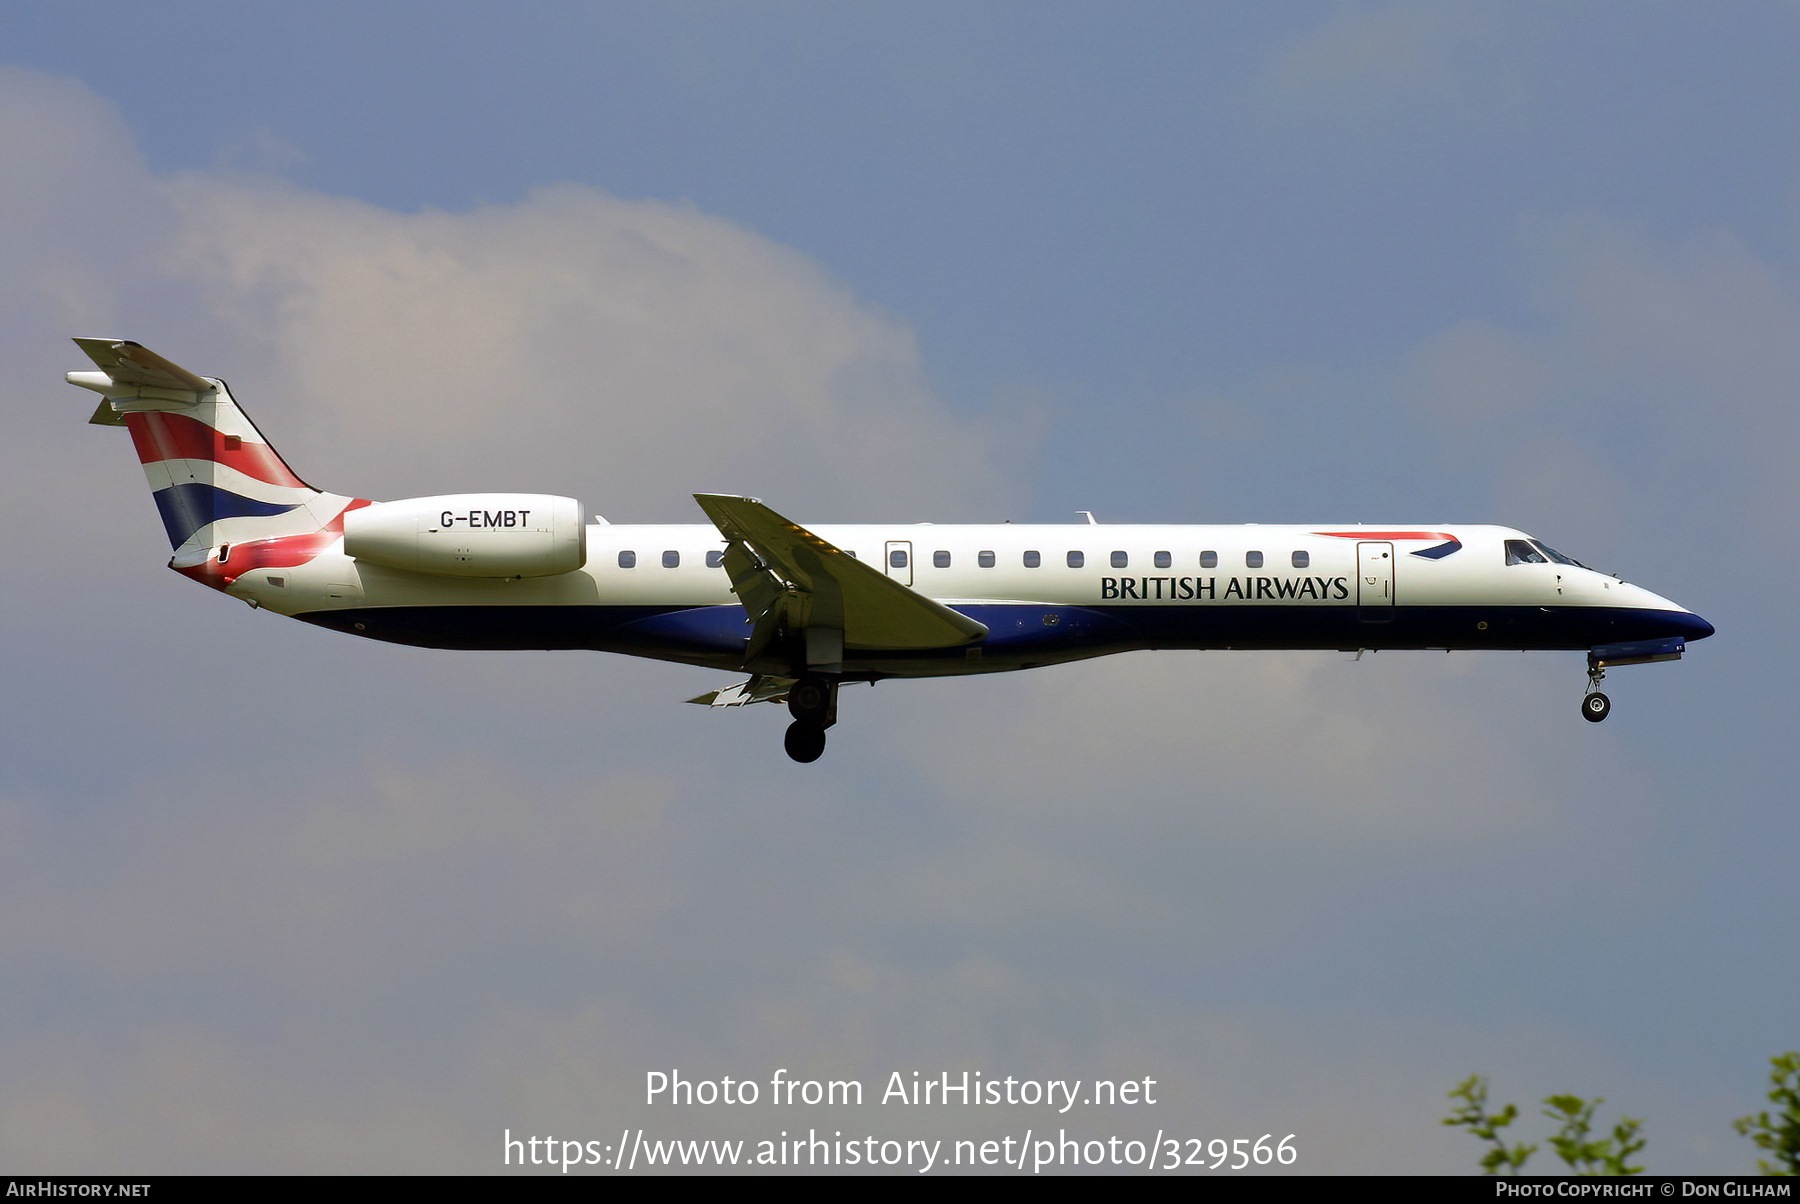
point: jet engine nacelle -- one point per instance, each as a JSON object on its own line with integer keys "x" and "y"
{"x": 471, "y": 534}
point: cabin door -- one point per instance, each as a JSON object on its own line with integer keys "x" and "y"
{"x": 1375, "y": 582}
{"x": 898, "y": 560}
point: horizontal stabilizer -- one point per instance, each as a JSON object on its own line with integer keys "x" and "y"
{"x": 787, "y": 576}
{"x": 105, "y": 415}
{"x": 134, "y": 364}
{"x": 134, "y": 378}
{"x": 757, "y": 689}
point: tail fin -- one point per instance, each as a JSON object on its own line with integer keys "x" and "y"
{"x": 215, "y": 479}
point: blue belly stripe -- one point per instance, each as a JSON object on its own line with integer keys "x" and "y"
{"x": 1024, "y": 633}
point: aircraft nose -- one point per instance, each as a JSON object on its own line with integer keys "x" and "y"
{"x": 1691, "y": 626}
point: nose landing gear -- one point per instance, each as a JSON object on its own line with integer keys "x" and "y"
{"x": 1596, "y": 706}
{"x": 812, "y": 701}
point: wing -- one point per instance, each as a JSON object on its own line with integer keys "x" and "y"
{"x": 788, "y": 577}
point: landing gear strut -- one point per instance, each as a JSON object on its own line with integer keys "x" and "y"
{"x": 813, "y": 703}
{"x": 1596, "y": 706}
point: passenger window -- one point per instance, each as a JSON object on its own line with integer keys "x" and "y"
{"x": 628, "y": 560}
{"x": 985, "y": 559}
{"x": 1076, "y": 560}
{"x": 1518, "y": 551}
{"x": 1163, "y": 560}
{"x": 1120, "y": 560}
{"x": 1302, "y": 559}
{"x": 715, "y": 560}
{"x": 897, "y": 559}
{"x": 1209, "y": 560}
{"x": 1253, "y": 560}
{"x": 671, "y": 560}
{"x": 1032, "y": 560}
{"x": 940, "y": 560}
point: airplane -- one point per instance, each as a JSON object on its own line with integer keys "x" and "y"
{"x": 804, "y": 609}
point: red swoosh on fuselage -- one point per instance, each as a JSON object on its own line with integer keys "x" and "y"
{"x": 279, "y": 552}
{"x": 1437, "y": 535}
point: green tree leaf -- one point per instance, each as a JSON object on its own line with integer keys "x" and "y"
{"x": 1778, "y": 1132}
{"x": 1473, "y": 1115}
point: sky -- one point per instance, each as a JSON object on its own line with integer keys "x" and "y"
{"x": 276, "y": 901}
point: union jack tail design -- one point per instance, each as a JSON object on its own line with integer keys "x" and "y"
{"x": 227, "y": 500}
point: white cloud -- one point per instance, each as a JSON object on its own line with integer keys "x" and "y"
{"x": 627, "y": 352}
{"x": 634, "y": 351}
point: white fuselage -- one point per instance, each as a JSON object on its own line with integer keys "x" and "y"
{"x": 1092, "y": 589}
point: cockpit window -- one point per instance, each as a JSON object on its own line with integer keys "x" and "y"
{"x": 1555, "y": 555}
{"x": 1520, "y": 551}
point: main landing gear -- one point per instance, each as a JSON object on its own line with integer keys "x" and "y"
{"x": 812, "y": 701}
{"x": 1596, "y": 706}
